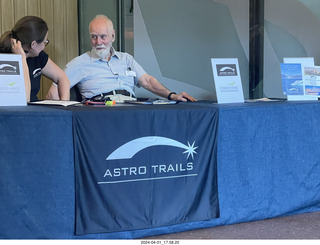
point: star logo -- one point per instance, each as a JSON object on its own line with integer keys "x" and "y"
{"x": 191, "y": 150}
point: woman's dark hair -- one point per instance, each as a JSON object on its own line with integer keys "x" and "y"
{"x": 26, "y": 30}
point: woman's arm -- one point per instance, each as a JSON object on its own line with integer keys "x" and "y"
{"x": 58, "y": 76}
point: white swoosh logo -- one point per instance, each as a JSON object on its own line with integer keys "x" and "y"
{"x": 131, "y": 148}
{"x": 36, "y": 70}
{"x": 7, "y": 65}
{"x": 226, "y": 68}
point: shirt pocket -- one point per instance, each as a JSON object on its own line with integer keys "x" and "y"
{"x": 126, "y": 80}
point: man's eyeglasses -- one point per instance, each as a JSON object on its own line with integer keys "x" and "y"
{"x": 46, "y": 42}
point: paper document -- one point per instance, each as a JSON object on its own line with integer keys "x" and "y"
{"x": 260, "y": 100}
{"x": 54, "y": 102}
{"x": 151, "y": 102}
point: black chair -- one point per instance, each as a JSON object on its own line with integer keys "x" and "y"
{"x": 75, "y": 94}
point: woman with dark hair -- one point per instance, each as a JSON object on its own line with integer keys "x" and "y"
{"x": 28, "y": 38}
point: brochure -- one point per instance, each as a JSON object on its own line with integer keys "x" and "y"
{"x": 312, "y": 80}
{"x": 292, "y": 80}
{"x": 227, "y": 80}
{"x": 12, "y": 87}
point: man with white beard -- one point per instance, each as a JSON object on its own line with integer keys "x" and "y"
{"x": 105, "y": 72}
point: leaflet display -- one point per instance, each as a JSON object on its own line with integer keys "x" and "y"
{"x": 12, "y": 87}
{"x": 227, "y": 80}
{"x": 300, "y": 80}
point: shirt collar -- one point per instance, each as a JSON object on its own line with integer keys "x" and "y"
{"x": 95, "y": 57}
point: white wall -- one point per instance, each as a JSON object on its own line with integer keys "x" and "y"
{"x": 291, "y": 30}
{"x": 175, "y": 40}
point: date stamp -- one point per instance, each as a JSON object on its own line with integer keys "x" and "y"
{"x": 159, "y": 242}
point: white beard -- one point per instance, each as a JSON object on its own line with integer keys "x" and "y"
{"x": 101, "y": 53}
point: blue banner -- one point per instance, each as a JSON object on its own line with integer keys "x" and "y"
{"x": 138, "y": 169}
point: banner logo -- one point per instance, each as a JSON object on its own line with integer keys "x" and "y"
{"x": 36, "y": 72}
{"x": 152, "y": 171}
{"x": 227, "y": 70}
{"x": 131, "y": 148}
{"x": 9, "y": 68}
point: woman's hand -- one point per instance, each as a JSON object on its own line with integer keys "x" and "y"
{"x": 16, "y": 48}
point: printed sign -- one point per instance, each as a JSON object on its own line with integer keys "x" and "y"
{"x": 227, "y": 80}
{"x": 312, "y": 80}
{"x": 292, "y": 81}
{"x": 294, "y": 78}
{"x": 12, "y": 87}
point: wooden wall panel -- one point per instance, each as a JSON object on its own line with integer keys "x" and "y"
{"x": 20, "y": 9}
{"x": 59, "y": 30}
{"x": 33, "y": 7}
{"x": 72, "y": 43}
{"x": 7, "y": 14}
{"x": 62, "y": 19}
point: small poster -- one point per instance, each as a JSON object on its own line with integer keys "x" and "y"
{"x": 312, "y": 80}
{"x": 294, "y": 80}
{"x": 227, "y": 80}
{"x": 12, "y": 87}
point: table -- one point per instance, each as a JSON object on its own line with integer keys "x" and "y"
{"x": 268, "y": 162}
{"x": 272, "y": 151}
{"x": 153, "y": 199}
{"x": 36, "y": 172}
{"x": 268, "y": 166}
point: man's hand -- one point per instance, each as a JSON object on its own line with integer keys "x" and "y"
{"x": 183, "y": 96}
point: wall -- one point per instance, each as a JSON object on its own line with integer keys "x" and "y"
{"x": 62, "y": 19}
{"x": 291, "y": 30}
{"x": 175, "y": 41}
{"x": 88, "y": 9}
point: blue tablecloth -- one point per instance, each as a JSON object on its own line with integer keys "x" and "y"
{"x": 36, "y": 173}
{"x": 268, "y": 166}
{"x": 272, "y": 150}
